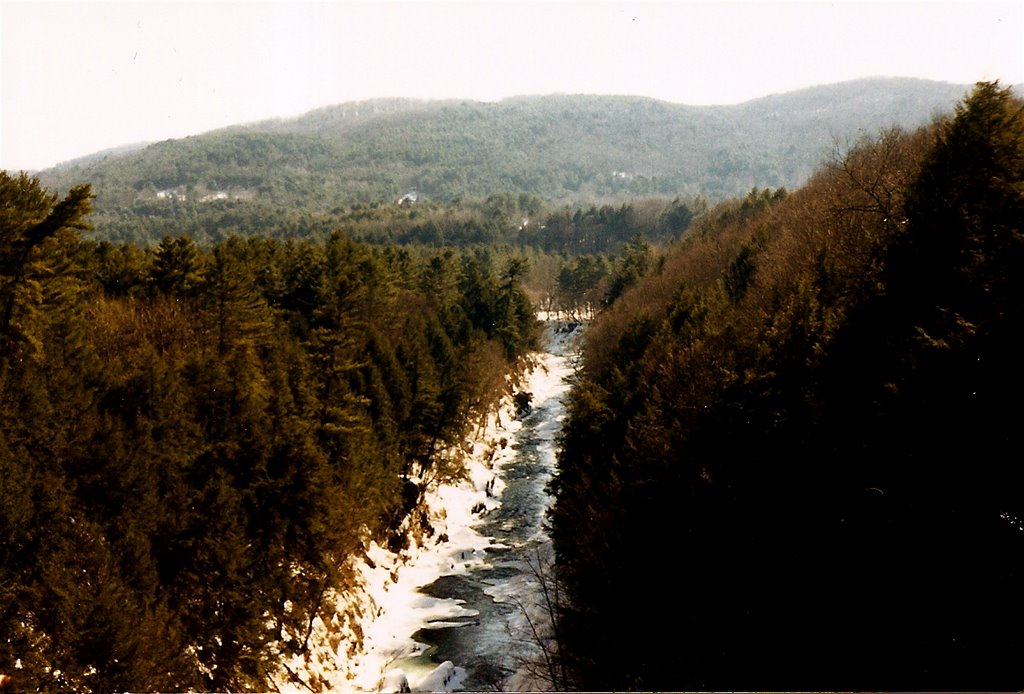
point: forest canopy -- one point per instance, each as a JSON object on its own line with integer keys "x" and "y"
{"x": 300, "y": 176}
{"x": 194, "y": 440}
{"x": 805, "y": 396}
{"x": 812, "y": 411}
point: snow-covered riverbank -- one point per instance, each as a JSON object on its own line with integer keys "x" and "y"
{"x": 390, "y": 607}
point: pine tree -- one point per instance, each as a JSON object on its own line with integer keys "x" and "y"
{"x": 33, "y": 225}
{"x": 177, "y": 266}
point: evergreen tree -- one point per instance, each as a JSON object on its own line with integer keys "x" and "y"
{"x": 177, "y": 266}
{"x": 812, "y": 407}
{"x": 33, "y": 225}
{"x": 194, "y": 441}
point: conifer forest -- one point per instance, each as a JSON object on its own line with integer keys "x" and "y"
{"x": 791, "y": 455}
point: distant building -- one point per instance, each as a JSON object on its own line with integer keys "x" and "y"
{"x": 170, "y": 194}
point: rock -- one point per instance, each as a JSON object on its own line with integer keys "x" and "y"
{"x": 395, "y": 681}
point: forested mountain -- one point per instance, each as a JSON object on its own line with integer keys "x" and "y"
{"x": 297, "y": 176}
{"x": 806, "y": 396}
{"x": 792, "y": 461}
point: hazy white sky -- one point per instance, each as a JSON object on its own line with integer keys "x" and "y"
{"x": 78, "y": 77}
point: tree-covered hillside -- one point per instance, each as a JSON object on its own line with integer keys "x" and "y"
{"x": 194, "y": 442}
{"x": 792, "y": 461}
{"x": 560, "y": 149}
{"x": 793, "y": 442}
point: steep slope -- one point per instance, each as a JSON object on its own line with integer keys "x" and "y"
{"x": 812, "y": 407}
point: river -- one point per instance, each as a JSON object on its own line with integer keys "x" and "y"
{"x": 471, "y": 631}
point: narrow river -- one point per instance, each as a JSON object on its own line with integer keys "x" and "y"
{"x": 482, "y": 641}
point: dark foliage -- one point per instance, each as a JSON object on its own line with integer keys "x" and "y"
{"x": 802, "y": 434}
{"x": 193, "y": 441}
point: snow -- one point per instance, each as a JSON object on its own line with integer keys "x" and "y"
{"x": 387, "y": 607}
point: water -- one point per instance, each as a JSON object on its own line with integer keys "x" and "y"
{"x": 491, "y": 643}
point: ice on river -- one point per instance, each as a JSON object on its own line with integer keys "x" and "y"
{"x": 397, "y": 613}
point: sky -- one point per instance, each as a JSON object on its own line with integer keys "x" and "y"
{"x": 78, "y": 77}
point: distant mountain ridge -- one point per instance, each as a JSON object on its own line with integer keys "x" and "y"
{"x": 560, "y": 148}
